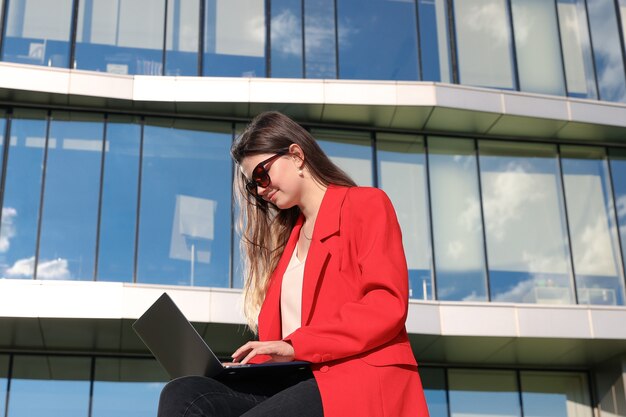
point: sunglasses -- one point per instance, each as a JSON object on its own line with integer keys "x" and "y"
{"x": 260, "y": 175}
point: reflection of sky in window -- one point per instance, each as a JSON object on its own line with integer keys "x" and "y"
{"x": 590, "y": 209}
{"x": 364, "y": 53}
{"x": 50, "y": 398}
{"x": 286, "y": 35}
{"x": 126, "y": 399}
{"x": 21, "y": 198}
{"x": 480, "y": 393}
{"x": 552, "y": 394}
{"x": 319, "y": 39}
{"x": 434, "y": 49}
{"x": 618, "y": 171}
{"x": 525, "y": 224}
{"x": 607, "y": 50}
{"x": 433, "y": 381}
{"x": 186, "y": 181}
{"x": 182, "y": 37}
{"x": 70, "y": 200}
{"x": 457, "y": 223}
{"x": 119, "y": 203}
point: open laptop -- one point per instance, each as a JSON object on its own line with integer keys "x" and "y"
{"x": 181, "y": 351}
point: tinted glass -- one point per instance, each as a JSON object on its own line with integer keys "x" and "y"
{"x": 234, "y": 38}
{"x": 119, "y": 200}
{"x": 2, "y": 130}
{"x": 18, "y": 237}
{"x": 70, "y": 206}
{"x": 182, "y": 41}
{"x": 457, "y": 220}
{"x": 127, "y": 387}
{"x": 607, "y": 49}
{"x": 4, "y": 375}
{"x": 555, "y": 394}
{"x": 185, "y": 215}
{"x": 32, "y": 37}
{"x": 122, "y": 37}
{"x": 320, "y": 43}
{"x": 537, "y": 41}
{"x": 527, "y": 246}
{"x": 434, "y": 383}
{"x": 577, "y": 57}
{"x": 237, "y": 267}
{"x": 366, "y": 55}
{"x": 402, "y": 174}
{"x": 434, "y": 43}
{"x": 483, "y": 39}
{"x": 287, "y": 41}
{"x": 483, "y": 392}
{"x": 351, "y": 151}
{"x": 593, "y": 229}
{"x": 49, "y": 386}
{"x": 618, "y": 171}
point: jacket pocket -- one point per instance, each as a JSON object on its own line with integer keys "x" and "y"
{"x": 397, "y": 354}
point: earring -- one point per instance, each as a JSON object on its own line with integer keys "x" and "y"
{"x": 300, "y": 173}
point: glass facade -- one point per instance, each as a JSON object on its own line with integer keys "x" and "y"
{"x": 482, "y": 220}
{"x": 87, "y": 386}
{"x": 580, "y": 44}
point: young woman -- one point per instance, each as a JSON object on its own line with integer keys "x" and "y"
{"x": 326, "y": 282}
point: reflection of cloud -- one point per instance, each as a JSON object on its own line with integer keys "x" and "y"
{"x": 620, "y": 203}
{"x": 54, "y": 269}
{"x": 543, "y": 262}
{"x": 517, "y": 293}
{"x": 286, "y": 36}
{"x": 595, "y": 253}
{"x": 7, "y": 229}
{"x": 487, "y": 17}
{"x": 508, "y": 193}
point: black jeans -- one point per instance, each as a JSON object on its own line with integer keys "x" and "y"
{"x": 197, "y": 396}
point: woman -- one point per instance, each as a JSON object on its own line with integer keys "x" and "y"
{"x": 326, "y": 282}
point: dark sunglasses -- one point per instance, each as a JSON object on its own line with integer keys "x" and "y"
{"x": 260, "y": 176}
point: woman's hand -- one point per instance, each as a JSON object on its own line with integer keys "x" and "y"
{"x": 278, "y": 350}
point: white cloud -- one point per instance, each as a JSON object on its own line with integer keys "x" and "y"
{"x": 286, "y": 36}
{"x": 7, "y": 230}
{"x": 53, "y": 269}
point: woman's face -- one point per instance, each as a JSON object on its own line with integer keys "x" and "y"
{"x": 284, "y": 189}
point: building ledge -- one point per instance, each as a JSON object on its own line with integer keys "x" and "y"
{"x": 96, "y": 317}
{"x": 394, "y": 105}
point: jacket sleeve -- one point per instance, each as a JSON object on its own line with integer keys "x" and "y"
{"x": 378, "y": 314}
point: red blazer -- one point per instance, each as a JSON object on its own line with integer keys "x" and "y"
{"x": 354, "y": 307}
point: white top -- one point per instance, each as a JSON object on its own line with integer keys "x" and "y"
{"x": 291, "y": 295}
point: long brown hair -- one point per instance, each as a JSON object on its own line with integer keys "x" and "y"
{"x": 264, "y": 228}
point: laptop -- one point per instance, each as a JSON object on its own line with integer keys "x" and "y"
{"x": 181, "y": 351}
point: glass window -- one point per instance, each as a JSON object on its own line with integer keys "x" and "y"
{"x": 537, "y": 40}
{"x": 402, "y": 174}
{"x": 434, "y": 43}
{"x": 127, "y": 387}
{"x": 120, "y": 36}
{"x": 607, "y": 50}
{"x": 555, "y": 394}
{"x": 483, "y": 39}
{"x": 457, "y": 220}
{"x": 579, "y": 70}
{"x": 32, "y": 37}
{"x": 119, "y": 200}
{"x": 320, "y": 43}
{"x": 527, "y": 246}
{"x": 366, "y": 55}
{"x": 70, "y": 205}
{"x": 234, "y": 38}
{"x": 434, "y": 383}
{"x": 22, "y": 190}
{"x": 238, "y": 267}
{"x": 4, "y": 375}
{"x": 185, "y": 216}
{"x": 483, "y": 392}
{"x": 2, "y": 130}
{"x": 590, "y": 210}
{"x": 351, "y": 151}
{"x": 53, "y": 386}
{"x": 182, "y": 41}
{"x": 618, "y": 171}
{"x": 286, "y": 39}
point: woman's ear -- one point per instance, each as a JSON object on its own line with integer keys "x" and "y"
{"x": 297, "y": 154}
